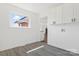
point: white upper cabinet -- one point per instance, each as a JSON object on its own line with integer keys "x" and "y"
{"x": 59, "y": 15}
{"x": 67, "y": 13}
{"x": 53, "y": 16}
{"x": 76, "y": 12}
{"x": 71, "y": 12}
{"x": 56, "y": 16}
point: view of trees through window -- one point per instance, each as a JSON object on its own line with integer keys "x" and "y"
{"x": 19, "y": 21}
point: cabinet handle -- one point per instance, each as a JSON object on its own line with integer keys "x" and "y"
{"x": 72, "y": 20}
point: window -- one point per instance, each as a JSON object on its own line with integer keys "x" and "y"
{"x": 19, "y": 21}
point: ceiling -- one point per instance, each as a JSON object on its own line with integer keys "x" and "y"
{"x": 40, "y": 8}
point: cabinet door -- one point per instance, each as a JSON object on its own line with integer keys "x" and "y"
{"x": 76, "y": 12}
{"x": 59, "y": 15}
{"x": 56, "y": 15}
{"x": 53, "y": 16}
{"x": 67, "y": 13}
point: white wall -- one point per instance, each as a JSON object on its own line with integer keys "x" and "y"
{"x": 13, "y": 37}
{"x": 68, "y": 40}
{"x": 40, "y": 8}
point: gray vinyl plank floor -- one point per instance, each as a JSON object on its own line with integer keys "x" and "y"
{"x": 47, "y": 50}
{"x": 52, "y": 51}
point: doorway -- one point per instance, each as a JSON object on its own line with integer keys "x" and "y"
{"x": 45, "y": 35}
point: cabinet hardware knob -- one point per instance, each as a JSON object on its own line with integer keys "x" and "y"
{"x": 72, "y": 20}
